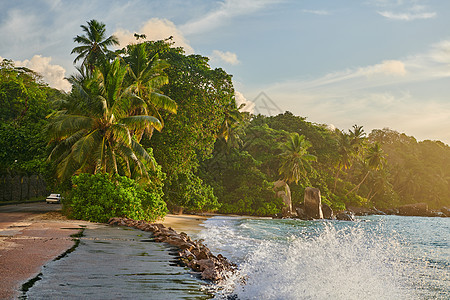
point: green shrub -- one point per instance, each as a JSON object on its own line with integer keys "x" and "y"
{"x": 102, "y": 196}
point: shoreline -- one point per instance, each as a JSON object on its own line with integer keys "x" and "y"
{"x": 33, "y": 234}
{"x": 190, "y": 224}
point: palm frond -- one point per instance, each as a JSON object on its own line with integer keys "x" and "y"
{"x": 164, "y": 102}
{"x": 141, "y": 122}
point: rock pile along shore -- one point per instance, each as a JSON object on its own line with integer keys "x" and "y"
{"x": 193, "y": 254}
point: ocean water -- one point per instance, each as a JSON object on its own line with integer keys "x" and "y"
{"x": 376, "y": 257}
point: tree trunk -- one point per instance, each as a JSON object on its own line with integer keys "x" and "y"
{"x": 359, "y": 184}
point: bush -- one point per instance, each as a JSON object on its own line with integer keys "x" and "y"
{"x": 100, "y": 197}
{"x": 188, "y": 191}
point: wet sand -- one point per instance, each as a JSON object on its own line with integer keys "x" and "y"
{"x": 31, "y": 235}
{"x": 28, "y": 240}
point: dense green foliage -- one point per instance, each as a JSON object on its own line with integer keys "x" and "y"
{"x": 24, "y": 104}
{"x": 101, "y": 196}
{"x": 203, "y": 96}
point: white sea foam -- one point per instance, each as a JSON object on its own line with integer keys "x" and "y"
{"x": 320, "y": 260}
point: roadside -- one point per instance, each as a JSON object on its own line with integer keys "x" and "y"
{"x": 31, "y": 235}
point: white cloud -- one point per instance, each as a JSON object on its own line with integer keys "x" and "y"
{"x": 249, "y": 106}
{"x": 387, "y": 67}
{"x": 54, "y": 75}
{"x": 155, "y": 29}
{"x": 316, "y": 12}
{"x": 226, "y": 10}
{"x": 404, "y": 10}
{"x": 407, "y": 16}
{"x": 227, "y": 57}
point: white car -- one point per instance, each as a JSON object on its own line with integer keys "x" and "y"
{"x": 54, "y": 198}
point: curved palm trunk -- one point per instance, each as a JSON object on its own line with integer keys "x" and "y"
{"x": 359, "y": 184}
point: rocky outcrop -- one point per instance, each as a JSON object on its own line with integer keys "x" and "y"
{"x": 364, "y": 211}
{"x": 191, "y": 253}
{"x": 313, "y": 203}
{"x": 445, "y": 211}
{"x": 416, "y": 209}
{"x": 345, "y": 216}
{"x": 327, "y": 211}
{"x": 283, "y": 191}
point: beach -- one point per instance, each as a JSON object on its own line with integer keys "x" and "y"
{"x": 31, "y": 235}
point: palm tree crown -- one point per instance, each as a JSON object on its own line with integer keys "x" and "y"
{"x": 96, "y": 134}
{"x": 94, "y": 45}
{"x": 295, "y": 159}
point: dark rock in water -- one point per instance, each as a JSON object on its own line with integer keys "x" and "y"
{"x": 359, "y": 211}
{"x": 313, "y": 203}
{"x": 446, "y": 211}
{"x": 192, "y": 253}
{"x": 277, "y": 216}
{"x": 416, "y": 209}
{"x": 436, "y": 213}
{"x": 301, "y": 212}
{"x": 345, "y": 216}
{"x": 391, "y": 211}
{"x": 376, "y": 211}
{"x": 327, "y": 211}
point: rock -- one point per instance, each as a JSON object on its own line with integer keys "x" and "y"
{"x": 211, "y": 274}
{"x": 300, "y": 213}
{"x": 193, "y": 254}
{"x": 359, "y": 211}
{"x": 436, "y": 213}
{"x": 416, "y": 209}
{"x": 327, "y": 211}
{"x": 284, "y": 192}
{"x": 345, "y": 216}
{"x": 376, "y": 211}
{"x": 313, "y": 203}
{"x": 205, "y": 264}
{"x": 391, "y": 211}
{"x": 446, "y": 211}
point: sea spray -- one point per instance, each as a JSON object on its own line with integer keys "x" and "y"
{"x": 292, "y": 259}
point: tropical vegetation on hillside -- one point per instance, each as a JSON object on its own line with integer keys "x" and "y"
{"x": 148, "y": 127}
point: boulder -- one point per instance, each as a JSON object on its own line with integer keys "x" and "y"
{"x": 391, "y": 211}
{"x": 313, "y": 203}
{"x": 345, "y": 216}
{"x": 445, "y": 211}
{"x": 436, "y": 213}
{"x": 284, "y": 192}
{"x": 416, "y": 209}
{"x": 359, "y": 211}
{"x": 327, "y": 211}
{"x": 376, "y": 211}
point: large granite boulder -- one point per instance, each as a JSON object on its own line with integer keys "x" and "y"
{"x": 283, "y": 191}
{"x": 313, "y": 203}
{"x": 416, "y": 209}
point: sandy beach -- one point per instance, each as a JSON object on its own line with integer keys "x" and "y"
{"x": 31, "y": 235}
{"x": 191, "y": 224}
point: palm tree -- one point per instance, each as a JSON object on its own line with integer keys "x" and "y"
{"x": 357, "y": 138}
{"x": 96, "y": 134}
{"x": 346, "y": 153}
{"x": 374, "y": 160}
{"x": 295, "y": 159}
{"x": 146, "y": 76}
{"x": 94, "y": 45}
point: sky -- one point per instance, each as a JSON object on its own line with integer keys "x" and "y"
{"x": 374, "y": 63}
